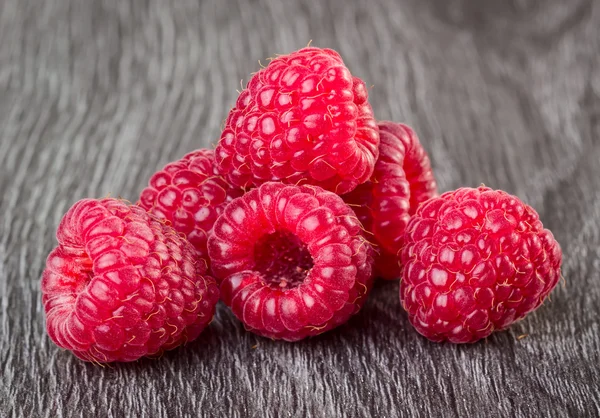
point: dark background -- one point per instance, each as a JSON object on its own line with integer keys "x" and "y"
{"x": 95, "y": 96}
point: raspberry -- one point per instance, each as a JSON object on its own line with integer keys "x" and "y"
{"x": 302, "y": 119}
{"x": 292, "y": 260}
{"x": 121, "y": 284}
{"x": 402, "y": 179}
{"x": 190, "y": 194}
{"x": 475, "y": 261}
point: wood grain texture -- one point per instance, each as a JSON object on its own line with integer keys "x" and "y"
{"x": 95, "y": 96}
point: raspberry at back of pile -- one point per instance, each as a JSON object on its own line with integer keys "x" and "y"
{"x": 189, "y": 194}
{"x": 302, "y": 119}
{"x": 121, "y": 284}
{"x": 402, "y": 180}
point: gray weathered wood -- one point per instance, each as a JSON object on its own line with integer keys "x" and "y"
{"x": 95, "y": 96}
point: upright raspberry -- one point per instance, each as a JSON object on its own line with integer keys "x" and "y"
{"x": 121, "y": 284}
{"x": 190, "y": 194}
{"x": 402, "y": 180}
{"x": 291, "y": 259}
{"x": 302, "y": 119}
{"x": 475, "y": 261}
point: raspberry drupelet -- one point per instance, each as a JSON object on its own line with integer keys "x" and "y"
{"x": 190, "y": 194}
{"x": 475, "y": 261}
{"x": 121, "y": 284}
{"x": 292, "y": 260}
{"x": 402, "y": 180}
{"x": 303, "y": 119}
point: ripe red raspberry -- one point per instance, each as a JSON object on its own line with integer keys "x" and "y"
{"x": 121, "y": 284}
{"x": 402, "y": 179}
{"x": 302, "y": 119}
{"x": 475, "y": 261}
{"x": 292, "y": 260}
{"x": 190, "y": 194}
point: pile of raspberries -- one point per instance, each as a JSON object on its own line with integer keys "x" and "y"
{"x": 306, "y": 199}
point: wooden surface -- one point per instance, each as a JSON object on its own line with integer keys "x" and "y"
{"x": 95, "y": 96}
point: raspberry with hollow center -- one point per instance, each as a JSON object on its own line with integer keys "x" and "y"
{"x": 190, "y": 194}
{"x": 121, "y": 284}
{"x": 302, "y": 119}
{"x": 475, "y": 261}
{"x": 402, "y": 180}
{"x": 291, "y": 259}
{"x": 282, "y": 259}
